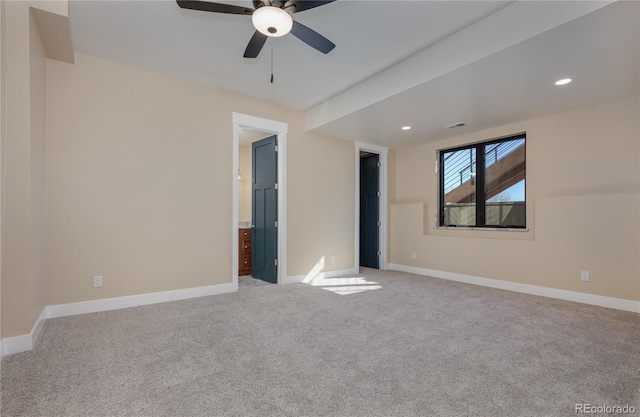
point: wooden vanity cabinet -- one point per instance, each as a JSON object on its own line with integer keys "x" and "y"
{"x": 244, "y": 252}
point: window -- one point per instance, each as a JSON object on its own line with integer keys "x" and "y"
{"x": 483, "y": 185}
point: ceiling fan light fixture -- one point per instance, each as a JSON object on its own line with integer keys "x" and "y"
{"x": 272, "y": 21}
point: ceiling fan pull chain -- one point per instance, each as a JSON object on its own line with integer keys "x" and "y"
{"x": 271, "y": 61}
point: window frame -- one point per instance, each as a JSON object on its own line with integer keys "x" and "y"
{"x": 480, "y": 203}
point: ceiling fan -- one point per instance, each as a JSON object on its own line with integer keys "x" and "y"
{"x": 271, "y": 18}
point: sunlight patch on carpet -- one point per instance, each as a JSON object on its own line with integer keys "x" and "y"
{"x": 339, "y": 285}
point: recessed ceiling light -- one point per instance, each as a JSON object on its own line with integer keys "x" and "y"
{"x": 406, "y": 127}
{"x": 563, "y": 81}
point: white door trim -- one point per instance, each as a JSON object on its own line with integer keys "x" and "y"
{"x": 280, "y": 129}
{"x": 382, "y": 152}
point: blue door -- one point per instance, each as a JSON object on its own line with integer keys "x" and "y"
{"x": 264, "y": 234}
{"x": 369, "y": 210}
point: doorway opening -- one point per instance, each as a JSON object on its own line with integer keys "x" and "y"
{"x": 259, "y": 203}
{"x": 371, "y": 206}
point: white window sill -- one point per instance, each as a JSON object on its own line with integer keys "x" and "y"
{"x": 484, "y": 229}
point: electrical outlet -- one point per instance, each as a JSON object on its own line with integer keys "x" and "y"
{"x": 333, "y": 259}
{"x": 584, "y": 276}
{"x": 413, "y": 255}
{"x": 97, "y": 281}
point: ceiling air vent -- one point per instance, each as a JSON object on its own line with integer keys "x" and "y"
{"x": 455, "y": 125}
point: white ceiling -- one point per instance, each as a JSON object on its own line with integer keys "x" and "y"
{"x": 422, "y": 63}
{"x": 208, "y": 47}
{"x": 599, "y": 51}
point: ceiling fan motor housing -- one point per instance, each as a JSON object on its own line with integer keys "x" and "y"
{"x": 286, "y": 5}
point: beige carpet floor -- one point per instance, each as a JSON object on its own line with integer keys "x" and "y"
{"x": 386, "y": 344}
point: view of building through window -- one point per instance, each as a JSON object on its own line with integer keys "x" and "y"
{"x": 483, "y": 185}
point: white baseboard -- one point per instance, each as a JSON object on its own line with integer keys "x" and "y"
{"x": 16, "y": 344}
{"x": 37, "y": 328}
{"x": 339, "y": 273}
{"x": 25, "y": 342}
{"x": 295, "y": 279}
{"x": 578, "y": 297}
{"x": 72, "y": 309}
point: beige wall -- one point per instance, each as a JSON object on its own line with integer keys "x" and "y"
{"x": 583, "y": 206}
{"x": 24, "y": 193}
{"x": 3, "y": 125}
{"x": 15, "y": 236}
{"x": 321, "y": 203}
{"x": 139, "y": 183}
{"x": 244, "y": 185}
{"x": 37, "y": 220}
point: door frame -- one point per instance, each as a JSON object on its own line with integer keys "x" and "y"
{"x": 280, "y": 129}
{"x": 382, "y": 214}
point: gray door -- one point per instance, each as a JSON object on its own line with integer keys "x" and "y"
{"x": 264, "y": 235}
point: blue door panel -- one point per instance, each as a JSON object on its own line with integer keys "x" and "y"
{"x": 257, "y": 239}
{"x": 264, "y": 242}
{"x": 369, "y": 211}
